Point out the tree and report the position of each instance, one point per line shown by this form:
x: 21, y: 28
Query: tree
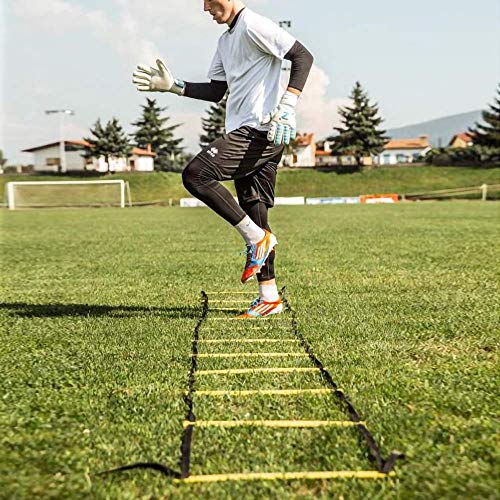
x: 359, y: 135
x: 152, y: 129
x: 109, y: 141
x: 214, y: 124
x: 486, y: 137
x: 3, y: 160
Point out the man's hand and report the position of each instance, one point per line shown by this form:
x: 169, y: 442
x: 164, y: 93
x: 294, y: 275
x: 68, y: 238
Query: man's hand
x: 148, y: 79
x: 283, y: 127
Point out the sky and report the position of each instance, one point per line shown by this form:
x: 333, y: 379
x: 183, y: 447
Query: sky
x: 418, y: 60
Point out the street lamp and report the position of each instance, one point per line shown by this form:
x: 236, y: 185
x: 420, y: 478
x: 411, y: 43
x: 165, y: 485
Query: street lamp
x: 62, y: 151
x: 284, y: 25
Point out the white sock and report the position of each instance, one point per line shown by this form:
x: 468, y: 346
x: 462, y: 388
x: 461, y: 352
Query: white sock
x: 269, y: 292
x: 250, y: 231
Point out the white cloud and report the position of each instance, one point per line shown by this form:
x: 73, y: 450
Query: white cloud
x: 316, y: 111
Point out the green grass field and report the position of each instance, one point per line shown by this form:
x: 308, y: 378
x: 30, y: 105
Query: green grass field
x: 165, y: 186
x: 400, y: 303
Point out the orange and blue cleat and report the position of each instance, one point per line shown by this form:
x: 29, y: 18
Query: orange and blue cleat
x: 259, y: 308
x: 257, y: 255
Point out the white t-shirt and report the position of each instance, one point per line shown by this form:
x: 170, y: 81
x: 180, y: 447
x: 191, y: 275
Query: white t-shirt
x: 249, y: 58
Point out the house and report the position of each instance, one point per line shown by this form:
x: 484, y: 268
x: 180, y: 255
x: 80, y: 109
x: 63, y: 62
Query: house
x: 404, y: 150
x: 325, y: 156
x: 47, y: 159
x: 303, y: 154
x: 462, y: 140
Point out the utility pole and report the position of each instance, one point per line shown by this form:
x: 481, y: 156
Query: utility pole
x: 285, y: 25
x: 62, y: 150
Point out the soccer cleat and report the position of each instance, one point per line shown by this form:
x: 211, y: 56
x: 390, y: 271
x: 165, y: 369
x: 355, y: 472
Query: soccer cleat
x: 259, y: 308
x: 257, y: 255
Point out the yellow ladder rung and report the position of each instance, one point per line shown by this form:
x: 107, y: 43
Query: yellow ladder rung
x: 285, y: 424
x: 253, y: 355
x: 286, y: 476
x: 237, y: 371
x: 272, y: 320
x: 245, y: 341
x: 265, y: 392
x: 249, y: 327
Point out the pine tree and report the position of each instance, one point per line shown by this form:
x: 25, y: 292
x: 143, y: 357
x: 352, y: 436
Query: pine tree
x: 214, y: 124
x: 109, y: 141
x: 359, y: 135
x: 152, y: 129
x: 486, y: 137
x: 3, y: 160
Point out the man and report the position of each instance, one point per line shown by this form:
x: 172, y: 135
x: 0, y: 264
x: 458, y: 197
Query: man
x: 259, y: 121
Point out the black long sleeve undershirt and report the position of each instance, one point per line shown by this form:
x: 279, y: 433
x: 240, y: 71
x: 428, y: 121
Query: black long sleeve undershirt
x: 215, y: 90
x: 302, y: 61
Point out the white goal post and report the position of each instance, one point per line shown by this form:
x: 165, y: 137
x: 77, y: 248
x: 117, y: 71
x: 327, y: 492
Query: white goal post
x: 43, y: 194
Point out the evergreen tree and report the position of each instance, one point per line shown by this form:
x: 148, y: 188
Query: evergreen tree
x: 109, y: 141
x: 359, y: 135
x: 3, y: 160
x: 214, y: 124
x: 152, y: 129
x: 486, y: 137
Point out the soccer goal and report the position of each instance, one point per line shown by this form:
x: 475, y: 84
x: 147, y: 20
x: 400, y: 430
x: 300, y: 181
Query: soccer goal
x: 59, y: 194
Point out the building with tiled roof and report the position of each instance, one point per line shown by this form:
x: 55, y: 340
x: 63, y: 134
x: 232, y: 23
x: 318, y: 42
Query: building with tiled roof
x: 47, y: 159
x: 304, y: 152
x: 404, y: 150
x: 462, y: 140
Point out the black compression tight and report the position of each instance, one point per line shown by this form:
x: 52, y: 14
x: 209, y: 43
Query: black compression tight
x: 200, y: 180
x: 257, y: 211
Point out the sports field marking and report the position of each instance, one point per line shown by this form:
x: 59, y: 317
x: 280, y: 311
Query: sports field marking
x: 238, y: 371
x: 286, y: 476
x: 253, y: 355
x: 231, y: 293
x: 245, y: 341
x: 285, y: 424
x: 265, y: 392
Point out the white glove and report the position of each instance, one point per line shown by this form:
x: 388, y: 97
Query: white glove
x: 283, y: 120
x: 148, y: 79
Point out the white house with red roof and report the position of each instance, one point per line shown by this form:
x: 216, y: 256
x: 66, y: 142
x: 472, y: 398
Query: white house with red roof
x: 47, y: 159
x: 304, y: 152
x: 404, y: 150
x: 462, y: 140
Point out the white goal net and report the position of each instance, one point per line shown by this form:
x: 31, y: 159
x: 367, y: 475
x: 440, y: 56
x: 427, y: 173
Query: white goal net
x: 54, y: 194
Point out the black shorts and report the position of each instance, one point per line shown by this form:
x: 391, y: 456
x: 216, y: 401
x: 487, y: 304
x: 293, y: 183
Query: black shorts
x: 247, y: 157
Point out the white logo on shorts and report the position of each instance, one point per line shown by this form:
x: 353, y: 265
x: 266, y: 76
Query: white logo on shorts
x: 213, y: 152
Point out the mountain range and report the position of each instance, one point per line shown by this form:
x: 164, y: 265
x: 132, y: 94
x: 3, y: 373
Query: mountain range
x: 439, y: 131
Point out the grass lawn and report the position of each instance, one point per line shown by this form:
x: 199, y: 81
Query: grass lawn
x: 400, y: 303
x: 165, y: 186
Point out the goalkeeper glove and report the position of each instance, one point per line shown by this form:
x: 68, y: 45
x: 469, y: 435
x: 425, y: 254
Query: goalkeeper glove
x: 149, y: 79
x: 283, y: 120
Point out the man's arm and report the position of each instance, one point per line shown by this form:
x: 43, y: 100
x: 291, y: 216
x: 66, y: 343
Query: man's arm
x: 212, y: 92
x: 302, y: 61
x: 283, y: 124
x: 160, y: 79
